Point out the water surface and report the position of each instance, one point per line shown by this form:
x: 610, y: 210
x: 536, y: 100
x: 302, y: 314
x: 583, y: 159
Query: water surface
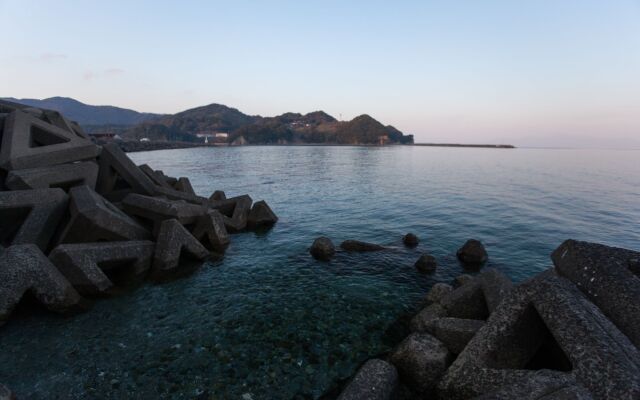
x: 269, y: 322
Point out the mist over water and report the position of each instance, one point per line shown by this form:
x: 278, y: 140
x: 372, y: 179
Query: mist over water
x: 268, y: 321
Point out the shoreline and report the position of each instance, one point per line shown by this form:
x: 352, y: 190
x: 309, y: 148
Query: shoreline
x: 134, y: 146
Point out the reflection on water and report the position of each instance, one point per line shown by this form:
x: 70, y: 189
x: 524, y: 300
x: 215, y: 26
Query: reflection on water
x: 267, y: 321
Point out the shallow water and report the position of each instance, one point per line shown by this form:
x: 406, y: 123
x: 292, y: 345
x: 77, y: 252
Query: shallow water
x: 269, y: 322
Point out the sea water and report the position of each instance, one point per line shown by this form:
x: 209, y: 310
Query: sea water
x: 269, y: 322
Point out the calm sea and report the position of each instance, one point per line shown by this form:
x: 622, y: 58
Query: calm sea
x: 269, y: 322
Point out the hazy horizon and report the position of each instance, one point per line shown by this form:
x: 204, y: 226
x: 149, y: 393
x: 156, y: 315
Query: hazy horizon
x: 538, y: 74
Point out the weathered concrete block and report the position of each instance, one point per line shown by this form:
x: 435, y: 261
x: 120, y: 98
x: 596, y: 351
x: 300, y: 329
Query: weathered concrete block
x: 495, y: 286
x: 174, y: 242
x: 261, y: 215
x: 57, y: 119
x: 462, y: 280
x: 602, y: 273
x: 210, y: 230
x: 64, y: 176
x: 358, y: 246
x: 184, y: 185
x: 238, y: 220
x: 87, y: 266
x: 455, y: 333
x: 421, y: 320
x: 25, y: 269
x: 468, y: 301
x: 173, y: 194
x: 421, y: 360
x: 375, y: 380
x: 437, y: 292
x: 31, y: 216
x: 322, y: 249
x: 218, y: 195
x: 94, y: 219
x: 155, y: 177
x: 541, y: 386
x: 28, y: 142
x: 118, y: 172
x: 546, y: 324
x: 157, y: 209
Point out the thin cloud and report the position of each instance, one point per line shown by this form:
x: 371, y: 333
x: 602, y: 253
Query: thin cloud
x: 107, y: 73
x: 50, y: 57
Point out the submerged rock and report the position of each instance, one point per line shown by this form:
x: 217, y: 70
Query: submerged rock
x: 5, y: 393
x: 358, y: 246
x: 426, y: 263
x: 322, y: 249
x: 376, y: 380
x: 410, y: 240
x: 472, y: 253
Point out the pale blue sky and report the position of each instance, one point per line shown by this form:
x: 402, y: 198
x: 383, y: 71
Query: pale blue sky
x: 544, y: 72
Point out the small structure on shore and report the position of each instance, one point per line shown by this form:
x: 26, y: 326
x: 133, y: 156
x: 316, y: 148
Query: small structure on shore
x: 74, y: 215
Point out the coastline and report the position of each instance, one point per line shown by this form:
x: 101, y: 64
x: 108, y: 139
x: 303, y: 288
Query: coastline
x: 135, y: 146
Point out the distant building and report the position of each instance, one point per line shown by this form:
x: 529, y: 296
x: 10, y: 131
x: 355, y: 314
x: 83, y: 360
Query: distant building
x: 213, y: 137
x: 144, y: 139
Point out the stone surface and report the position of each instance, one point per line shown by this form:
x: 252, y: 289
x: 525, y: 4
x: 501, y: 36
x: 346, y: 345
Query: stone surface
x: 421, y: 320
x: 602, y: 273
x: 261, y: 215
x: 472, y: 253
x: 495, y: 286
x: 95, y: 219
x: 540, y: 386
x: 455, y: 333
x: 467, y: 302
x: 218, y: 195
x: 322, y: 249
x: 184, y: 185
x: 358, y: 246
x: 31, y: 216
x: 546, y: 324
x: 25, y: 268
x: 237, y: 222
x: 375, y: 380
x: 157, y: 209
x: 29, y: 142
x: 64, y: 176
x: 210, y: 230
x: 437, y: 292
x: 421, y: 360
x: 174, y: 194
x: 87, y: 265
x: 410, y: 240
x: 155, y: 177
x: 426, y: 263
x: 120, y: 175
x: 462, y: 280
x: 173, y: 243
x: 57, y: 119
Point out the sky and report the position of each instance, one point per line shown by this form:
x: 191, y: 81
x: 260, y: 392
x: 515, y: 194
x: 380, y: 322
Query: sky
x: 529, y: 72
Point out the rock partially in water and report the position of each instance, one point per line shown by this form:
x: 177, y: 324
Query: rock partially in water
x: 421, y: 359
x: 322, y: 249
x: 426, y: 263
x: 472, y: 253
x: 358, y: 246
x: 174, y: 242
x: 376, y: 380
x: 210, y: 230
x: 437, y: 292
x: 420, y: 322
x: 261, y: 215
x: 410, y: 240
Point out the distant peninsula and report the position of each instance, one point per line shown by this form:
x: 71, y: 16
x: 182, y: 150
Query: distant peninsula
x: 219, y: 124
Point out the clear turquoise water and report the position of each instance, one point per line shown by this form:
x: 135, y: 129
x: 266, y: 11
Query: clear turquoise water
x: 269, y: 322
